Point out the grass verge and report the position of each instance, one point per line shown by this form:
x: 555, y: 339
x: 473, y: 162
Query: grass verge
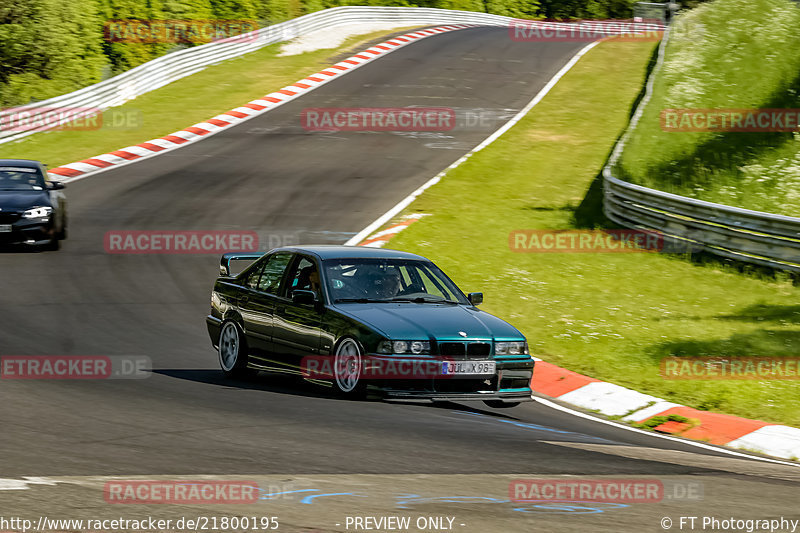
x: 608, y: 315
x: 217, y: 89
x: 727, y: 54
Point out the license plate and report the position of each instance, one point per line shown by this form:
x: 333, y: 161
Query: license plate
x: 5, y: 228
x: 469, y: 368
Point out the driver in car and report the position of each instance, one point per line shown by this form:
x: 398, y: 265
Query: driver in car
x: 389, y: 284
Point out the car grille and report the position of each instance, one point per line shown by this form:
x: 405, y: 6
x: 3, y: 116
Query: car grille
x: 469, y: 350
x: 8, y: 217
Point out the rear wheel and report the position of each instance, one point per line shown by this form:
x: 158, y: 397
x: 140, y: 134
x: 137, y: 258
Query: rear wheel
x: 232, y: 349
x: 499, y: 404
x: 347, y: 369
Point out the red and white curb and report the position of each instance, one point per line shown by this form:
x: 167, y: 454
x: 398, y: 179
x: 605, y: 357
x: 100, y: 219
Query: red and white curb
x: 377, y: 240
x: 632, y: 406
x: 130, y: 154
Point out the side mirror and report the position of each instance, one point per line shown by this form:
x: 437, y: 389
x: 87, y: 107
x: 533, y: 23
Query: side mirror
x: 55, y: 185
x: 475, y: 298
x: 304, y: 297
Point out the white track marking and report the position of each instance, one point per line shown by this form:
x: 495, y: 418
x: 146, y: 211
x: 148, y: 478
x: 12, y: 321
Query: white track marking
x: 405, y: 202
x: 720, y: 449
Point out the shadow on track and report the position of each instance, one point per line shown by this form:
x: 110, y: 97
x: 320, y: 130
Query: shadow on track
x: 296, y: 386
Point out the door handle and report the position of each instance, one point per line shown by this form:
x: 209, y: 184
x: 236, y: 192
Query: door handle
x: 244, y: 299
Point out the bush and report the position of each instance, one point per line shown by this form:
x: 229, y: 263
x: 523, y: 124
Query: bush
x: 48, y: 47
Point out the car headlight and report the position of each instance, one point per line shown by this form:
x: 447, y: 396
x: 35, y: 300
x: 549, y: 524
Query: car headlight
x: 511, y: 348
x: 405, y: 347
x: 37, y: 212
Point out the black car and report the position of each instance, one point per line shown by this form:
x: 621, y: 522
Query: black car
x: 33, y: 210
x: 365, y: 319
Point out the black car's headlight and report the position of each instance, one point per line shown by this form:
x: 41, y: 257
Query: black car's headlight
x: 38, y: 212
x: 405, y: 347
x: 511, y: 348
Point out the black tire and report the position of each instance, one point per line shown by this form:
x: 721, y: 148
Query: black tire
x: 499, y: 404
x: 232, y: 351
x: 52, y: 245
x: 62, y: 233
x: 348, y: 357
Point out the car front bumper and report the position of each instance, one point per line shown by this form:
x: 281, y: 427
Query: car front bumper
x: 511, y: 383
x: 23, y: 231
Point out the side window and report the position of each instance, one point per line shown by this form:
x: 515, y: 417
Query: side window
x: 252, y: 278
x: 304, y: 276
x: 270, y: 279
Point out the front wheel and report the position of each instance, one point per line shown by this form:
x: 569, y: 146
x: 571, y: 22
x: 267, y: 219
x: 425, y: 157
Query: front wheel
x: 347, y: 369
x: 499, y: 404
x: 232, y: 349
x: 62, y: 233
x: 52, y: 245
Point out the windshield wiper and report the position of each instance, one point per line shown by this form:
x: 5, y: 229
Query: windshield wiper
x: 423, y: 300
x: 361, y: 300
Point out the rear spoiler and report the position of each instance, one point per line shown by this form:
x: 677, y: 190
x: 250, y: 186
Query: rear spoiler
x: 225, y: 261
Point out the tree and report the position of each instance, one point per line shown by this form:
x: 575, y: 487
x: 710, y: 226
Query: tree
x: 233, y: 9
x: 117, y: 16
x: 47, y: 48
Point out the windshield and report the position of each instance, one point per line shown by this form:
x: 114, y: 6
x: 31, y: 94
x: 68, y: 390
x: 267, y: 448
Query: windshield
x: 21, y: 179
x: 388, y: 280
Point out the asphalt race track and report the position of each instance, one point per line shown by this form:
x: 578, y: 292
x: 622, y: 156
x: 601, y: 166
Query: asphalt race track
x: 357, y: 458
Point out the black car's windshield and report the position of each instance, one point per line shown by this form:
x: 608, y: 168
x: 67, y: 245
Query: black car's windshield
x: 21, y: 179
x: 389, y: 280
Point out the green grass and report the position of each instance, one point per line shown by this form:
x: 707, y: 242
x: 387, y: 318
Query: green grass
x: 734, y: 54
x: 193, y: 99
x: 610, y: 316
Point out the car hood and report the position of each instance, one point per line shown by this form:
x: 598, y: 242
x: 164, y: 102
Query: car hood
x: 22, y: 200
x: 408, y: 321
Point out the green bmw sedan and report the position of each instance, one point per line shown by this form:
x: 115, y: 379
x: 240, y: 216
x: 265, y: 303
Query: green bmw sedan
x: 365, y: 321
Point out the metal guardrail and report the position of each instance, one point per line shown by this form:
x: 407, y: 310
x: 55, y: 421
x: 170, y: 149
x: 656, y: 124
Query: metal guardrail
x: 174, y: 66
x: 754, y: 237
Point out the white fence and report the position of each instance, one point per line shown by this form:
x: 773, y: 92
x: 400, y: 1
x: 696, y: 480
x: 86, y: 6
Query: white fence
x: 174, y: 66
